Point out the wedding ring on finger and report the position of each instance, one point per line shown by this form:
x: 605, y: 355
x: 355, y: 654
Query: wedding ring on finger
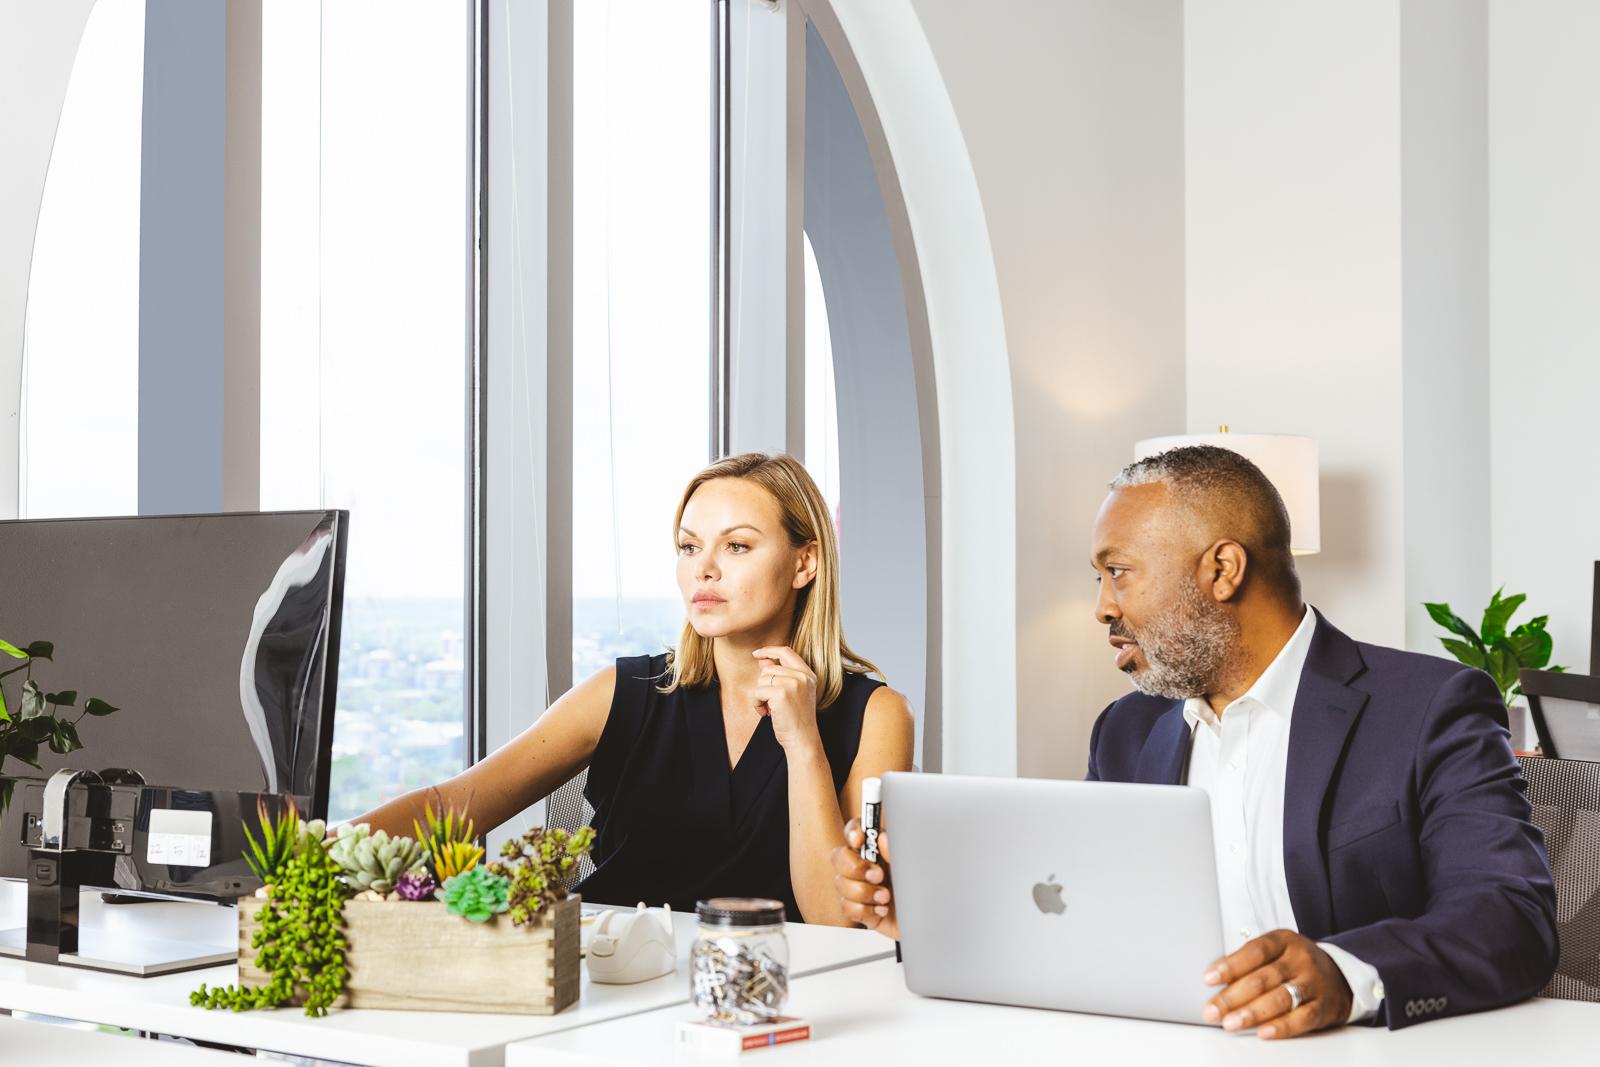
x: 1294, y: 995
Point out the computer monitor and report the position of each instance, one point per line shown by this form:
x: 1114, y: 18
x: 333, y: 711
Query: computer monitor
x: 1566, y: 712
x: 217, y: 637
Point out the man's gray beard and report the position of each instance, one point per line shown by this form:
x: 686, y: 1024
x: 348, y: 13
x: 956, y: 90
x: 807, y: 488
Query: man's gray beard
x: 1187, y: 648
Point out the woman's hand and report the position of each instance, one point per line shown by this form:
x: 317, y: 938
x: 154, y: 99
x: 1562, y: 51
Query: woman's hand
x: 788, y: 693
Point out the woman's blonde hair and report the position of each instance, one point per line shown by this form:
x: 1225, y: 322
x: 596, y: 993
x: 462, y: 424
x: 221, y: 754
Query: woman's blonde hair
x: 816, y: 633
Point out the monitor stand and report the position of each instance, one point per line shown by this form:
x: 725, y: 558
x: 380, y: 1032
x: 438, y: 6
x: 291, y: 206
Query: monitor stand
x: 163, y: 937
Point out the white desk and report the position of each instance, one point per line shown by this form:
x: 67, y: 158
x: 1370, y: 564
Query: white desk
x: 161, y: 1005
x: 171, y: 929
x: 30, y: 1042
x: 863, y: 1015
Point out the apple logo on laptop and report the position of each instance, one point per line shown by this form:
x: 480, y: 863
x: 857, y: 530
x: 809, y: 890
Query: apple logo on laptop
x: 1047, y: 897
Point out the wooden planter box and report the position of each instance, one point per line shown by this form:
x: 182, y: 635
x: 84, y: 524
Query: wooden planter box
x: 412, y: 956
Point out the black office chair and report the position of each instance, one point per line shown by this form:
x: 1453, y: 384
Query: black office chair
x: 568, y: 809
x: 1566, y: 806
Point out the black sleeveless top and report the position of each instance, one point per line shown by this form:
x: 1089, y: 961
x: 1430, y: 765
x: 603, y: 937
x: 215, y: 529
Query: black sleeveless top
x: 674, y: 824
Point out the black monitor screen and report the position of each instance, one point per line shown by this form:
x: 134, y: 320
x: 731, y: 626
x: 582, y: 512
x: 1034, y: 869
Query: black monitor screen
x: 216, y: 636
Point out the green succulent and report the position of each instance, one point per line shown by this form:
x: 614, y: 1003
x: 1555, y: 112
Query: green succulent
x: 373, y: 861
x: 279, y: 835
x: 299, y: 937
x: 539, y: 865
x: 450, y: 842
x: 314, y: 832
x: 476, y: 895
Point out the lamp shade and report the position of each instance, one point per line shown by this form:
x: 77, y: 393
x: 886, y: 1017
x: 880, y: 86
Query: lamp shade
x: 1289, y: 462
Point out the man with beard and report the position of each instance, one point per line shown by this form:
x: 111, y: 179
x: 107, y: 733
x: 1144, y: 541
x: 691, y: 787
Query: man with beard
x: 1374, y: 852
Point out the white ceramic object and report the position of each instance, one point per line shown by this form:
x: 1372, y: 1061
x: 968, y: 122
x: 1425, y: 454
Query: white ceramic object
x: 628, y: 947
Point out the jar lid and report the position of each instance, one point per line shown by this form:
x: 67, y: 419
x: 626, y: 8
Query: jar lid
x: 739, y: 911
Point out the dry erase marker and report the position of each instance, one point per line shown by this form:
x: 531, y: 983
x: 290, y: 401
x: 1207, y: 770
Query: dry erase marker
x: 871, y: 817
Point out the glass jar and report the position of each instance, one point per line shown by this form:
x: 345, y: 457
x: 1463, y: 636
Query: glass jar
x: 739, y: 966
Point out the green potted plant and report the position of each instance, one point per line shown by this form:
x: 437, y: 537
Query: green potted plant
x: 1501, y: 652
x: 1495, y: 649
x: 37, y: 717
x: 351, y: 920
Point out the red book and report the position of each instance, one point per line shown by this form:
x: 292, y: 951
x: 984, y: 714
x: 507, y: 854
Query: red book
x: 732, y: 1040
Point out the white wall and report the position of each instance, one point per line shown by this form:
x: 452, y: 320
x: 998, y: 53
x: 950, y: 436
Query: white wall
x: 1445, y: 282
x: 1294, y: 267
x: 1544, y: 212
x: 1072, y: 114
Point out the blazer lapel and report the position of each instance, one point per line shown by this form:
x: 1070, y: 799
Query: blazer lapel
x: 1166, y: 750
x: 1326, y: 710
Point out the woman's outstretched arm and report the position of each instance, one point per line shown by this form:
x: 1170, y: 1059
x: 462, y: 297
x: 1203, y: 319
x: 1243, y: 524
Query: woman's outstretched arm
x: 520, y: 772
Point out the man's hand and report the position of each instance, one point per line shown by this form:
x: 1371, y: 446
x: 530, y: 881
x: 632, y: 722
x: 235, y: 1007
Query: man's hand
x: 863, y: 887
x: 1257, y: 996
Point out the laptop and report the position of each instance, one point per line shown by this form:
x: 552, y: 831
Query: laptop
x: 1078, y: 896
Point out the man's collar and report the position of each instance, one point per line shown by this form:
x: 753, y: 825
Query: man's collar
x: 1278, y: 684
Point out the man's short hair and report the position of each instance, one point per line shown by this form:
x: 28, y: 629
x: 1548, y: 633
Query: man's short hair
x: 1232, y: 495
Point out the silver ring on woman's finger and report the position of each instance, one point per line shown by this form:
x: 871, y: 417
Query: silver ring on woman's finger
x: 1294, y: 995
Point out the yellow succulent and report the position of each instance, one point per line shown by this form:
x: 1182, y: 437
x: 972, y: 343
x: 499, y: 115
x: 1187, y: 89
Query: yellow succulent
x: 451, y: 844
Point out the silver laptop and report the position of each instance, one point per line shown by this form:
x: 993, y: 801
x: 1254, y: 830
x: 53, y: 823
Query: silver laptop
x: 1079, y: 896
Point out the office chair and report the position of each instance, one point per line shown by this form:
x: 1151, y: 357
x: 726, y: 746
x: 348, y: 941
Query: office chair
x: 567, y: 809
x: 1565, y: 795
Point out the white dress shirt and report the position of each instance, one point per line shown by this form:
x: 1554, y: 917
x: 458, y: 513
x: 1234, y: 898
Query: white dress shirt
x: 1240, y: 760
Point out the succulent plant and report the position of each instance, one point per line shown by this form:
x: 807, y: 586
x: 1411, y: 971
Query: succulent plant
x: 539, y: 865
x: 314, y: 832
x: 373, y: 861
x: 299, y: 938
x: 476, y: 895
x: 279, y: 834
x: 416, y: 884
x: 450, y: 841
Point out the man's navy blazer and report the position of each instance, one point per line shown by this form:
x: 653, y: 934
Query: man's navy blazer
x: 1406, y: 833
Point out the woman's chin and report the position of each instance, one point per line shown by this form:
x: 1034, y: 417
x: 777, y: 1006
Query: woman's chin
x: 709, y: 628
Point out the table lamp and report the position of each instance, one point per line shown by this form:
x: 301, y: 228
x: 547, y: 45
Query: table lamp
x: 1289, y: 462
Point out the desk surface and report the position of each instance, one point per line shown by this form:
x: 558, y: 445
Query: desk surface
x: 161, y: 1005
x: 864, y: 1015
x: 32, y: 1042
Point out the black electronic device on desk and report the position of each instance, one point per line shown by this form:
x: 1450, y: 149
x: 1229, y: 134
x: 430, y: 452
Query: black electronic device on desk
x: 217, y: 636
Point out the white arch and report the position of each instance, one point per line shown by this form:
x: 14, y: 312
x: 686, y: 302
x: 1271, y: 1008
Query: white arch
x: 884, y: 57
x: 38, y: 44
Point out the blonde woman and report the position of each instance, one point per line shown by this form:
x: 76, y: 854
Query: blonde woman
x: 727, y: 766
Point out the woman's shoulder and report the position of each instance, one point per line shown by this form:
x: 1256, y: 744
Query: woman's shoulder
x: 861, y: 686
x: 866, y: 696
x: 632, y: 681
x: 636, y: 677
x: 888, y: 704
x: 645, y: 668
